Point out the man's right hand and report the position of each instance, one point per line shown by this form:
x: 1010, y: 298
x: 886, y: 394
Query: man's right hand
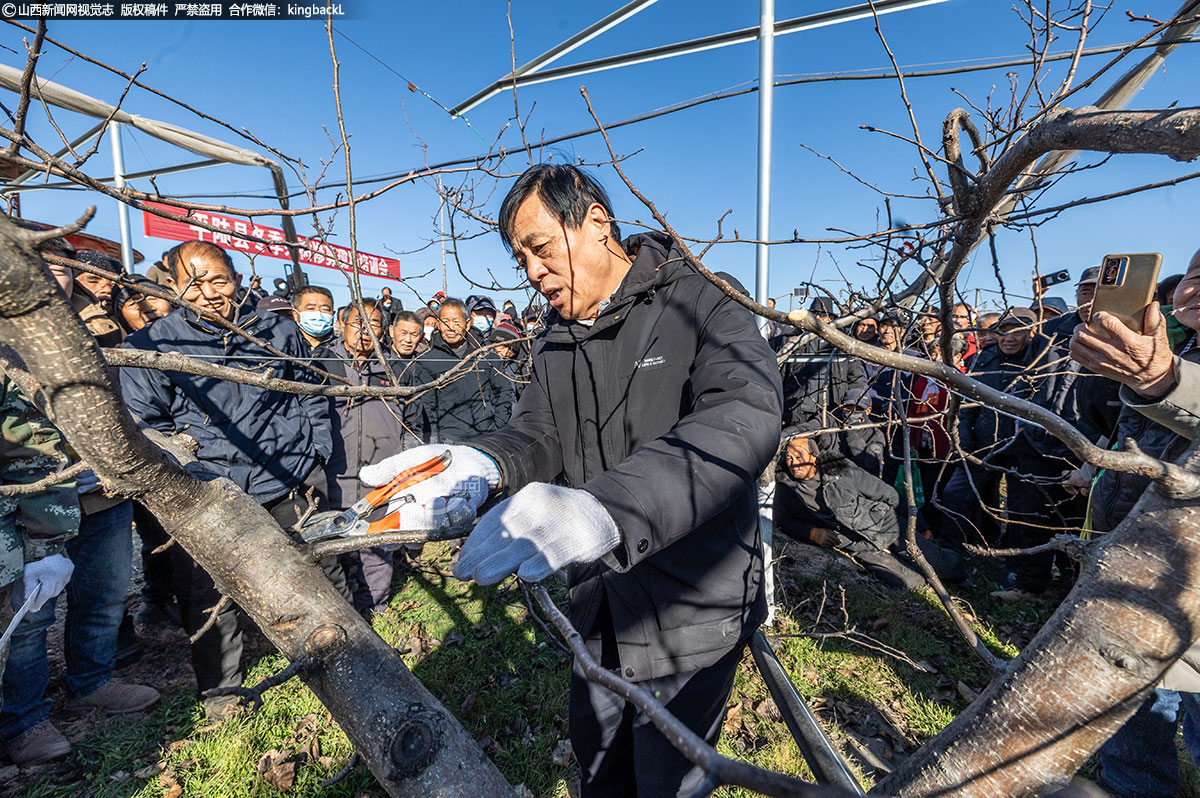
x: 1144, y: 363
x: 825, y: 538
x: 450, y: 498
x: 51, y: 574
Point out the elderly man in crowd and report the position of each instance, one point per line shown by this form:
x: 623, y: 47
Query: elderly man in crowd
x: 272, y: 445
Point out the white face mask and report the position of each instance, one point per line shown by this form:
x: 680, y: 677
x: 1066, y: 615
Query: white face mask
x: 428, y: 333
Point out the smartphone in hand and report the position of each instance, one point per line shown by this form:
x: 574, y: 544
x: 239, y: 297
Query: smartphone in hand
x: 1126, y: 287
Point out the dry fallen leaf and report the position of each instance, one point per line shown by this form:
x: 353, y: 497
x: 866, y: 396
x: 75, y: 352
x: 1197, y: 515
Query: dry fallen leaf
x: 281, y: 776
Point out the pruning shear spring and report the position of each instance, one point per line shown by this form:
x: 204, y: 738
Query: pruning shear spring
x: 352, y: 522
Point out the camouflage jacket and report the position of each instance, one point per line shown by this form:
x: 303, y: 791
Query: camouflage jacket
x: 35, y: 525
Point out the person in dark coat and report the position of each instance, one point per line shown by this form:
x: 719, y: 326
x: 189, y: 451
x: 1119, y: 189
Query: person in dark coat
x: 365, y: 429
x: 656, y: 403
x: 817, y: 377
x: 971, y: 498
x: 272, y: 445
x: 1039, y: 505
x: 822, y: 497
x: 481, y: 399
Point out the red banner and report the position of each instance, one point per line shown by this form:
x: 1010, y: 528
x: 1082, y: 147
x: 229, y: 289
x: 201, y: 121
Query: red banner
x: 314, y: 252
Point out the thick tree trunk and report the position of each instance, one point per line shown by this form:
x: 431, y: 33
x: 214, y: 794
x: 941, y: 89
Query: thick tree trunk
x: 1134, y: 611
x: 410, y: 742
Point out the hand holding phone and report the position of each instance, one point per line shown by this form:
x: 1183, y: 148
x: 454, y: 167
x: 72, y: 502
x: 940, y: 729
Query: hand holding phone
x: 1142, y: 361
x: 1126, y: 286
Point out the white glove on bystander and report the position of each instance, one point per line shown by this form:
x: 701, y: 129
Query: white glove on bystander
x: 539, y: 530
x: 52, y: 573
x: 450, y: 498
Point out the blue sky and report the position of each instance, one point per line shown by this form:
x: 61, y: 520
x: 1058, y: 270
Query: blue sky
x: 275, y: 79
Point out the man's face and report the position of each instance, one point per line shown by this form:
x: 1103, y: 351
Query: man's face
x: 138, y: 311
x: 801, y: 463
x: 1012, y: 339
x: 355, y: 335
x: 208, y: 282
x: 405, y: 337
x: 960, y: 317
x: 888, y: 338
x: 571, y: 267
x: 453, y: 325
x: 930, y: 327
x: 1084, y: 294
x: 866, y: 330
x: 1186, y: 300
x: 313, y: 301
x: 386, y: 292
x: 506, y: 351
x: 98, y: 287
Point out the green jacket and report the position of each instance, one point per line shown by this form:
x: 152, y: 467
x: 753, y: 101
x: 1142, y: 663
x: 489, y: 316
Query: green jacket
x: 35, y: 525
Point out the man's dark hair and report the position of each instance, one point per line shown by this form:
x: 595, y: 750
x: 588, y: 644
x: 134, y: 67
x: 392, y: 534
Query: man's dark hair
x: 369, y: 304
x: 566, y: 191
x: 299, y: 295
x: 174, y: 258
x: 408, y: 316
x: 457, y: 304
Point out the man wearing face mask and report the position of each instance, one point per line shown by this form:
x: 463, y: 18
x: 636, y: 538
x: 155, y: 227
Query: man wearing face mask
x: 483, y: 317
x: 312, y: 306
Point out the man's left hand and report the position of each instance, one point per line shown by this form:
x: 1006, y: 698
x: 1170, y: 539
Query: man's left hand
x: 534, y: 533
x: 1145, y: 363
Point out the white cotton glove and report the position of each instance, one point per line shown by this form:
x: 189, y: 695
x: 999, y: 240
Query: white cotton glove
x: 86, y: 482
x: 536, y: 532
x: 450, y: 498
x: 51, y: 573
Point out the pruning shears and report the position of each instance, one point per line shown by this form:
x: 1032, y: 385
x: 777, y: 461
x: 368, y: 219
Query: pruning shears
x: 353, y: 521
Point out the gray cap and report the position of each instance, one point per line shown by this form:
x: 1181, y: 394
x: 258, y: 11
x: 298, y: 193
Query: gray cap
x: 1090, y: 275
x: 1016, y: 317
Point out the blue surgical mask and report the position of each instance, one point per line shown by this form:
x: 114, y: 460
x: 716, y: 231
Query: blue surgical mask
x: 316, y: 323
x: 482, y: 323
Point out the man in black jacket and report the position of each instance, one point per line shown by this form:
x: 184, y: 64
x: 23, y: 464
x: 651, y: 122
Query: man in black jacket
x: 817, y: 377
x: 824, y: 498
x: 657, y: 402
x: 971, y: 496
x: 479, y: 399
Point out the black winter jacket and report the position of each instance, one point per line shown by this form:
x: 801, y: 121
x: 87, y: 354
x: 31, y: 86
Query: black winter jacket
x: 368, y: 429
x: 816, y: 379
x: 265, y: 441
x: 981, y: 429
x: 1115, y: 492
x: 666, y: 410
x: 1056, y: 383
x: 477, y: 402
x: 842, y: 498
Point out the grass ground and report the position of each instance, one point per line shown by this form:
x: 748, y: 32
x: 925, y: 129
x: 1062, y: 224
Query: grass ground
x: 883, y: 669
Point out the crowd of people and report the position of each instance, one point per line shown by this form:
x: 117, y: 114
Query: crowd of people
x: 574, y: 406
